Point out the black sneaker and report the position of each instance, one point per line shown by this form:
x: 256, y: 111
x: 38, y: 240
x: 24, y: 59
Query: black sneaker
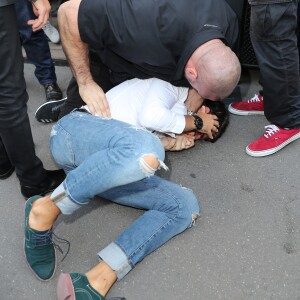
x: 54, y: 179
x: 6, y: 170
x: 53, y: 92
x: 49, y: 111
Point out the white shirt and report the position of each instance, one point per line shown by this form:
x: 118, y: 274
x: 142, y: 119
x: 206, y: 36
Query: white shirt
x: 151, y: 103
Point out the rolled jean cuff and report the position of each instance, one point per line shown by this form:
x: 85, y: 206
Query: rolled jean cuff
x: 116, y: 259
x: 62, y: 201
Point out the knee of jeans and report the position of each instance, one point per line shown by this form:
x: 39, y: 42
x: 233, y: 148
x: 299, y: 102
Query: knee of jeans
x: 190, y: 208
x: 149, y: 164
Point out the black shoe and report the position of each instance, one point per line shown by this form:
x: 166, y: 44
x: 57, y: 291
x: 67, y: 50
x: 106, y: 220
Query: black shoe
x: 6, y: 170
x: 52, y: 91
x: 49, y: 111
x: 54, y: 179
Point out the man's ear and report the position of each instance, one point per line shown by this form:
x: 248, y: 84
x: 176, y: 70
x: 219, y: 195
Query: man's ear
x: 190, y: 72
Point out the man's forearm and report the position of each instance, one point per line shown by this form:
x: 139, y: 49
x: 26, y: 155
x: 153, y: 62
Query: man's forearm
x: 75, y: 49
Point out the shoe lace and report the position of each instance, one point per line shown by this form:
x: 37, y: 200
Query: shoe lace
x: 270, y: 130
x: 255, y: 98
x: 41, y: 239
x: 56, y: 240
x: 50, y: 237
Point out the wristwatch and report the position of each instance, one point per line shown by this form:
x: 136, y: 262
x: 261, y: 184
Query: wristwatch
x: 198, y: 122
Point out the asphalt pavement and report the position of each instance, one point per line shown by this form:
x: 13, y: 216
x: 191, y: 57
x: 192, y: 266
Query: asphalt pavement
x: 245, y: 245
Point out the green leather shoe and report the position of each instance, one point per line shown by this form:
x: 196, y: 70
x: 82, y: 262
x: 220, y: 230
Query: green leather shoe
x: 76, y: 286
x: 39, y: 249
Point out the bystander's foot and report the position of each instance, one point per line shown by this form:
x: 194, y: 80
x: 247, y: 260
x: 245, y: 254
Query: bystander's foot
x: 274, y: 139
x: 49, y: 111
x: 53, y: 92
x: 253, y: 106
x: 53, y: 180
x: 6, y: 169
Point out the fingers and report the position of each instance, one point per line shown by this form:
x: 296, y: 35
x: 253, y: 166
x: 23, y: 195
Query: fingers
x: 210, y: 125
x: 102, y: 108
x: 168, y: 143
x: 41, y: 9
x: 99, y: 108
x: 210, y: 135
x: 95, y: 99
x: 183, y: 141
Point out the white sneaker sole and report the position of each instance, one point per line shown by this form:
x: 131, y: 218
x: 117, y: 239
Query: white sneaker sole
x: 273, y: 150
x: 39, y: 112
x: 244, y: 112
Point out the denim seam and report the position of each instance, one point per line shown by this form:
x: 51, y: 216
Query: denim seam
x: 108, y: 163
x: 68, y: 138
x: 179, y: 211
x: 70, y: 196
x: 129, y: 261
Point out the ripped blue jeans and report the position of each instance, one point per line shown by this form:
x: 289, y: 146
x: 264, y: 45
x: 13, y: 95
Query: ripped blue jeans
x: 107, y: 158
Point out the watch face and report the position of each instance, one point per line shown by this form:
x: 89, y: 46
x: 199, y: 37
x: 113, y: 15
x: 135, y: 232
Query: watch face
x: 198, y: 122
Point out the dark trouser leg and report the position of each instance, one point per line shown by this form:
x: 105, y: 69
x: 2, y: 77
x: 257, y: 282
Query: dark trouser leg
x: 100, y: 74
x: 15, y: 129
x: 35, y: 44
x: 274, y: 39
x: 20, y: 150
x: 3, y: 154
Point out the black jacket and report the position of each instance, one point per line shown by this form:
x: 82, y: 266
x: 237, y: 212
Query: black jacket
x: 151, y: 38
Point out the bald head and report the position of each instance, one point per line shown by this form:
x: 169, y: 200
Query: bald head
x: 213, y: 70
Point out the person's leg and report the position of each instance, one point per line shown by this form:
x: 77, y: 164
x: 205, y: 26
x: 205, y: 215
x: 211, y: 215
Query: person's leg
x: 14, y: 124
x: 20, y: 150
x: 37, y: 50
x: 170, y: 209
x: 6, y: 168
x: 274, y: 39
x: 94, y: 146
x: 15, y: 131
x: 99, y: 154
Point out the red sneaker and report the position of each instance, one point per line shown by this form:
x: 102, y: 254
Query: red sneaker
x: 272, y: 140
x: 254, y: 106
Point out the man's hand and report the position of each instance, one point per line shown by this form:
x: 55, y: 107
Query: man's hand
x: 92, y: 94
x: 210, y: 122
x: 219, y: 109
x: 181, y: 142
x: 41, y: 9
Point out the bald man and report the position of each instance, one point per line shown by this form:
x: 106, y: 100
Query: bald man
x: 108, y: 42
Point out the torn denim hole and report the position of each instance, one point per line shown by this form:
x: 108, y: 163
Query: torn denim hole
x: 147, y: 168
x: 53, y: 132
x: 194, y: 218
